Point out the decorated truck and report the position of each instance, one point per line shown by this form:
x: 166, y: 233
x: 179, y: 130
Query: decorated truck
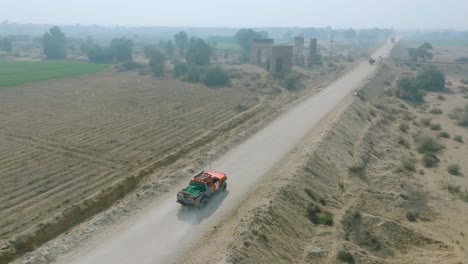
x: 201, y: 187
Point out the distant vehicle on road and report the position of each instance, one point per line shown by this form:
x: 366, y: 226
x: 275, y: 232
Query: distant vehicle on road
x: 201, y: 188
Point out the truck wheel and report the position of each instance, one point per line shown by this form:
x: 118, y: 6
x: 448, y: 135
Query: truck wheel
x: 203, y: 203
x: 224, y: 186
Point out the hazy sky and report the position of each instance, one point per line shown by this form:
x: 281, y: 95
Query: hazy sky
x: 242, y: 13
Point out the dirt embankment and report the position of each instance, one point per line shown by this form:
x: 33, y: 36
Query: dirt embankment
x: 348, y: 197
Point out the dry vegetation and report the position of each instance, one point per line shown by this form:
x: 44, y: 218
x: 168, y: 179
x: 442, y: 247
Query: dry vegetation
x: 385, y: 184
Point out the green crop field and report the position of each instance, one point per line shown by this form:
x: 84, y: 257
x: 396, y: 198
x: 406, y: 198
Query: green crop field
x: 20, y: 72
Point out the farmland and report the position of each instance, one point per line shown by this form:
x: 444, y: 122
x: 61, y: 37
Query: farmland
x: 21, y: 72
x: 66, y: 140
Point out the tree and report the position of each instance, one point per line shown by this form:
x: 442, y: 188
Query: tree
x: 97, y: 54
x: 54, y: 44
x: 156, y: 62
x: 245, y: 38
x: 350, y: 34
x: 422, y: 52
x: 199, y: 52
x: 5, y: 45
x: 122, y: 49
x: 181, y: 42
x: 169, y: 48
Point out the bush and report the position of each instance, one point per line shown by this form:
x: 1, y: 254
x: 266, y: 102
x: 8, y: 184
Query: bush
x: 180, y: 69
x: 402, y: 141
x: 458, y: 138
x: 436, y: 127
x: 412, y: 215
x: 429, y: 160
x: 292, y: 82
x: 427, y: 144
x: 319, y: 216
x: 444, y: 134
x: 129, y: 65
x: 453, y: 169
x: 407, y: 164
x: 426, y: 121
x: 441, y: 97
x: 346, y: 257
x: 194, y: 74
x: 436, y: 111
x: 216, y: 77
x: 326, y: 218
x: 407, y: 89
x: 431, y: 79
x: 460, y: 115
x: 404, y: 127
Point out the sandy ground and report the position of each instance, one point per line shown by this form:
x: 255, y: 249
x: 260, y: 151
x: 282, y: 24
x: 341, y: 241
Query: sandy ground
x: 159, y: 234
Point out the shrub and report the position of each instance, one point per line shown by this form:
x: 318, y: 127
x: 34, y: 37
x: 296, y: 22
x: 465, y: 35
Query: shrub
x: 412, y: 215
x: 458, y: 138
x: 444, y: 134
x: 429, y: 160
x: 319, y: 216
x: 436, y: 111
x: 216, y: 77
x: 407, y: 89
x: 404, y: 127
x: 441, y: 97
x: 407, y: 164
x: 426, y: 121
x: 194, y: 74
x: 346, y: 257
x: 180, y: 69
x: 431, y: 79
x: 453, y: 169
x: 326, y: 218
x: 436, y: 127
x: 292, y: 82
x: 427, y: 144
x: 460, y: 115
x: 402, y: 141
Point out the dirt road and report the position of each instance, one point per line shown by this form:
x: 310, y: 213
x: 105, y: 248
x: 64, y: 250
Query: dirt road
x: 161, y: 232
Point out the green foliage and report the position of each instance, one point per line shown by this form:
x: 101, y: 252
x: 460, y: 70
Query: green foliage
x: 404, y: 126
x: 180, y: 69
x: 407, y: 164
x: 460, y: 115
x: 453, y: 169
x: 427, y: 144
x: 423, y: 52
x: 345, y: 256
x: 156, y: 63
x: 444, y: 134
x: 436, y: 127
x: 458, y: 138
x: 409, y: 90
x: 194, y: 74
x: 20, y: 72
x: 426, y: 121
x: 199, y: 52
x: 5, y: 45
x: 412, y: 215
x: 402, y: 141
x: 121, y: 49
x: 436, y: 111
x: 245, y: 38
x: 319, y: 216
x: 292, y: 81
x: 54, y: 44
x: 429, y: 160
x: 181, y: 42
x: 216, y: 77
x: 431, y: 79
x: 97, y: 54
x: 326, y: 218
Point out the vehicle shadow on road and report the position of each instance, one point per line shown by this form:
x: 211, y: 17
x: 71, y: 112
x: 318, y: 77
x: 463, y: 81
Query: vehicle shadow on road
x: 195, y: 216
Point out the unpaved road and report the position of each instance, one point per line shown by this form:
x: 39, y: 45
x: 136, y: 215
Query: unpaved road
x: 161, y: 232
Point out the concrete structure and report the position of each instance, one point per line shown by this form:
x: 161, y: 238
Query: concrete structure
x: 299, y: 51
x: 312, y: 52
x: 261, y: 51
x: 281, y: 60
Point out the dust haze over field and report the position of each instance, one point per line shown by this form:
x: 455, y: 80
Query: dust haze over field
x: 342, y: 127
